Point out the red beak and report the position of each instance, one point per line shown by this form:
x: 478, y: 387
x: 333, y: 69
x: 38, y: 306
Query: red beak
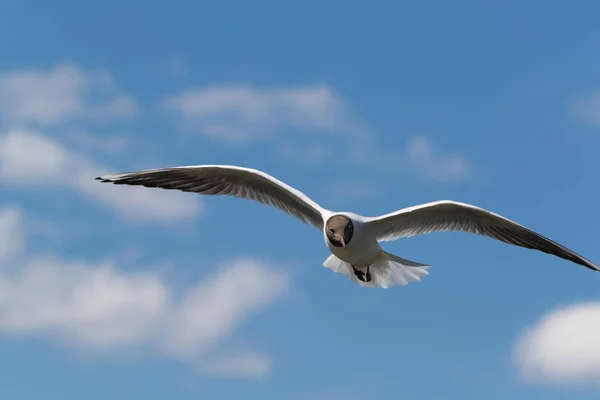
x: 342, y: 241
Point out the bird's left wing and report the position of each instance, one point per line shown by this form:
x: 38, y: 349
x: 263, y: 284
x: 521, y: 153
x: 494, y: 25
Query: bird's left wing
x: 445, y: 215
x: 230, y: 181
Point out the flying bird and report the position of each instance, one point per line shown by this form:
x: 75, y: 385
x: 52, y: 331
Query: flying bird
x: 353, y: 240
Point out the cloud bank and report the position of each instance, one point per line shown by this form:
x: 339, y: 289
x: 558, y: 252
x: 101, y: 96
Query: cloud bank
x: 97, y: 306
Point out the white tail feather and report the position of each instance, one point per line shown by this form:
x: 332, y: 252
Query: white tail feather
x: 387, y: 270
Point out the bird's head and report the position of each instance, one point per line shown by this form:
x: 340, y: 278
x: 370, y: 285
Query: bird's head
x: 339, y: 230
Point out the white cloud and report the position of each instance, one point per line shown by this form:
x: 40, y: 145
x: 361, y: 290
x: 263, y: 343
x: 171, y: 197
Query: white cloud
x: 11, y: 239
x: 97, y: 306
x: 87, y: 304
x: 237, y: 291
x: 242, y: 113
x: 433, y: 164
x: 94, y: 305
x: 28, y: 158
x: 563, y: 347
x: 59, y: 94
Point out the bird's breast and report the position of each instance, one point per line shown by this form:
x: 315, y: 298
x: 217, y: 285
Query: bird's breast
x: 360, y: 251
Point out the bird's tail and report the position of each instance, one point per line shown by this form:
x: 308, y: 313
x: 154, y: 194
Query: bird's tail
x: 387, y: 270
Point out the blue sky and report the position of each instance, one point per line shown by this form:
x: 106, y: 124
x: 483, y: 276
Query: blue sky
x: 115, y: 292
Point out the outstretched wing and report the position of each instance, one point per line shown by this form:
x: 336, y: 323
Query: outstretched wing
x: 225, y: 180
x: 446, y: 215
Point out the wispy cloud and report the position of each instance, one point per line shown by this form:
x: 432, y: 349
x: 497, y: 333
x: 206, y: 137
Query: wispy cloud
x: 28, y: 158
x: 96, y: 306
x: 431, y: 163
x: 243, y: 113
x: 59, y: 94
x: 210, y: 310
x: 586, y: 108
x: 562, y: 347
x: 51, y: 100
x: 10, y: 233
x: 418, y: 156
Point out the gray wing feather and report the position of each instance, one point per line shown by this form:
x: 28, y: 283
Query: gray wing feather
x: 444, y: 216
x: 225, y: 180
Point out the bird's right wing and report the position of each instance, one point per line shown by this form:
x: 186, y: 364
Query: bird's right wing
x: 229, y: 181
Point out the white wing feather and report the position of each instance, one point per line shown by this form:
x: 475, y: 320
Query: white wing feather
x: 230, y: 181
x: 448, y: 215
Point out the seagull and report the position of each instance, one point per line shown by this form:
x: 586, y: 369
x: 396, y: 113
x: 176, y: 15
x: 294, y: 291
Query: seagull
x: 353, y: 240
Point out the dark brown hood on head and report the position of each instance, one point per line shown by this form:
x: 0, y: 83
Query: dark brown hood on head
x: 339, y: 230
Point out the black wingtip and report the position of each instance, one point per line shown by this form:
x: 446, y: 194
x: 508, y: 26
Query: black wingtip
x: 592, y: 266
